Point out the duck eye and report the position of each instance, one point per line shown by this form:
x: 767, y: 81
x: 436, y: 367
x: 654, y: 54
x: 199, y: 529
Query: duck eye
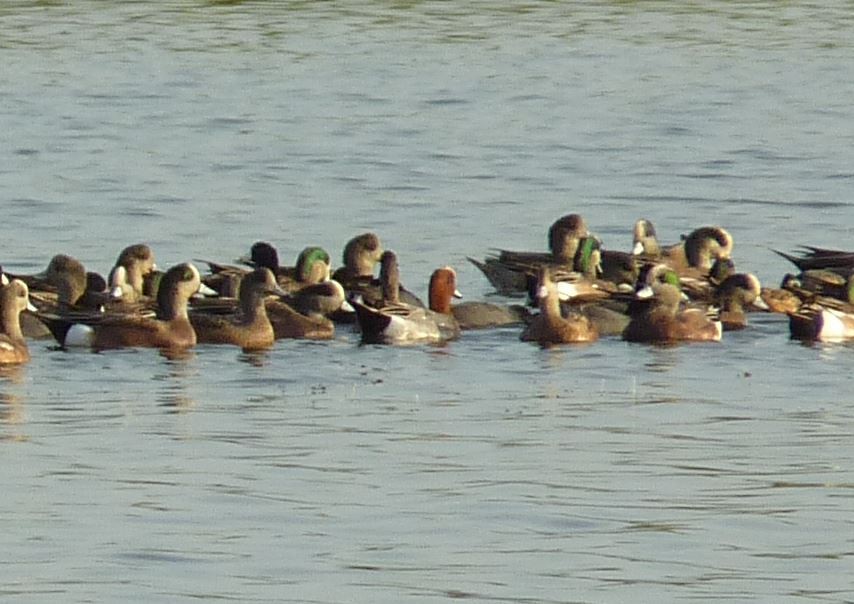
x: 187, y: 276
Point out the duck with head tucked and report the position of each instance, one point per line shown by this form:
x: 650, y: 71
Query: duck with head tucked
x: 14, y: 298
x: 657, y: 314
x: 735, y: 295
x: 169, y: 329
x: 399, y: 323
x: 698, y: 251
x: 550, y: 326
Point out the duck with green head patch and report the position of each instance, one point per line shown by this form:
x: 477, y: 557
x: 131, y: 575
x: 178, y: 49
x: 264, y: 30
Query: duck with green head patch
x: 657, y: 314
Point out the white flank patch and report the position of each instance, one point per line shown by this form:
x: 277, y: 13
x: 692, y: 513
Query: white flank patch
x: 6, y: 346
x: 565, y: 291
x: 79, y: 335
x: 347, y: 307
x: 397, y: 329
x: 833, y: 327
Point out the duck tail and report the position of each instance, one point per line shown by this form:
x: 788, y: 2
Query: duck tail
x: 372, y: 323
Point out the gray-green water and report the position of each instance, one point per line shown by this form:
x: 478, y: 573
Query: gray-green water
x: 488, y: 470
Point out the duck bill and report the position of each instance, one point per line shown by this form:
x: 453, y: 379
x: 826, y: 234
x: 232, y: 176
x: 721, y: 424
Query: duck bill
x: 644, y: 293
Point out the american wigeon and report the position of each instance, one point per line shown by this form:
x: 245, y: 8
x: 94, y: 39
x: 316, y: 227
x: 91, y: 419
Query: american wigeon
x: 360, y: 257
x: 644, y: 240
x: 250, y: 327
x: 657, y: 317
x: 379, y: 292
x: 14, y: 298
x: 312, y: 266
x: 169, y: 329
x: 702, y: 287
x: 608, y: 317
x: 508, y: 270
x: 290, y: 324
x: 400, y: 323
x: 127, y: 278
x: 550, y: 326
x: 696, y: 253
x: 621, y: 268
x: 734, y: 296
x: 66, y: 286
x: 324, y: 299
x: 781, y: 300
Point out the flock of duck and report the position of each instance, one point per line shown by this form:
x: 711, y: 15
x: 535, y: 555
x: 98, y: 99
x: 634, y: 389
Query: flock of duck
x: 576, y: 292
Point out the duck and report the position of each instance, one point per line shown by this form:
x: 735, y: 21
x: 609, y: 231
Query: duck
x: 127, y: 277
x: 697, y: 252
x: 657, y: 317
x: 250, y: 328
x: 644, y: 240
x: 325, y: 299
x: 66, y: 285
x: 734, y: 296
x: 781, y: 300
x: 361, y: 255
x: 703, y: 288
x: 508, y: 270
x: 312, y: 267
x: 621, y: 268
x: 375, y: 292
x: 169, y: 328
x: 825, y: 321
x: 550, y: 326
x: 810, y: 257
x: 474, y: 314
x: 14, y: 298
x: 288, y: 323
x: 401, y: 324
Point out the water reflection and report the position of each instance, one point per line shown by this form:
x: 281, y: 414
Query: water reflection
x: 12, y: 414
x: 176, y: 382
x: 258, y: 358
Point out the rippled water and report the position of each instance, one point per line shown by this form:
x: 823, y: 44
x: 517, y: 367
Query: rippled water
x: 487, y: 470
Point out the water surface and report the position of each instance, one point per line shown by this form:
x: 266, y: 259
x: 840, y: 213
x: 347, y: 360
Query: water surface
x: 487, y: 470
